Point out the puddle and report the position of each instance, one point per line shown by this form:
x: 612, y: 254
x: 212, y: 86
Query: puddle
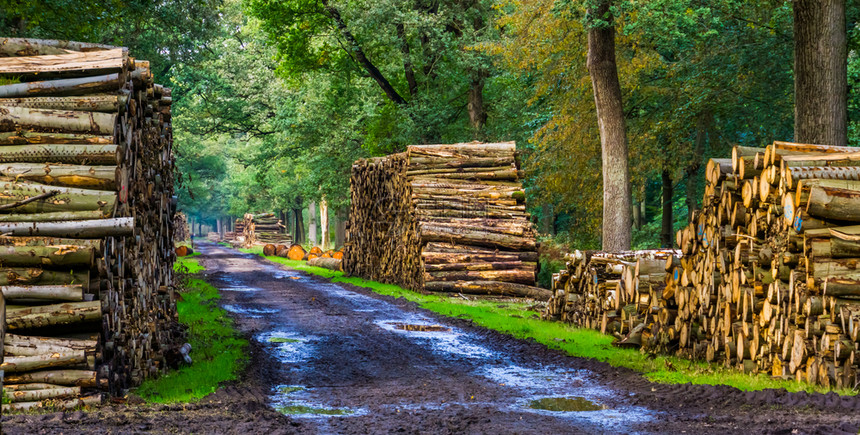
x: 420, y: 328
x: 239, y: 289
x: 291, y: 400
x: 289, y: 389
x: 566, y: 404
x: 250, y: 312
x: 288, y: 347
x: 308, y: 410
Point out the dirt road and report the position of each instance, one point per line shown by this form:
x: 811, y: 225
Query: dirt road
x: 334, y: 358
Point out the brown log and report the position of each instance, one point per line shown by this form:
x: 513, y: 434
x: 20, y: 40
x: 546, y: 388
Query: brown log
x: 489, y: 288
x: 326, y: 263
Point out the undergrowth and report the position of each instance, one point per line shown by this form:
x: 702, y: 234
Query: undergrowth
x: 217, y: 349
x: 518, y: 320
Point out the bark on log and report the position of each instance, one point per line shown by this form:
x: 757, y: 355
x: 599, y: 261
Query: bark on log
x: 18, y: 364
x: 52, y: 315
x: 489, y: 288
x: 115, y: 227
x: 72, y: 293
x: 63, y: 87
x: 18, y: 118
x: 61, y: 153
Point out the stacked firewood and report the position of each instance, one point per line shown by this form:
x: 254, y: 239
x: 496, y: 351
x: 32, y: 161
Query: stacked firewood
x: 270, y: 229
x: 768, y: 279
x: 247, y: 226
x: 181, y: 232
x: 443, y: 218
x: 86, y: 217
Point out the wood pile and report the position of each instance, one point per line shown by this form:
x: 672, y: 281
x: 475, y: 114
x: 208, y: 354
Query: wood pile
x: 247, y: 227
x: 86, y: 217
x: 270, y: 229
x: 181, y: 233
x: 443, y: 218
x: 768, y: 279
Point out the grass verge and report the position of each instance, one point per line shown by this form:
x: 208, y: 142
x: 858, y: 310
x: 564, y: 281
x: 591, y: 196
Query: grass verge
x: 187, y: 264
x: 217, y: 349
x: 515, y: 319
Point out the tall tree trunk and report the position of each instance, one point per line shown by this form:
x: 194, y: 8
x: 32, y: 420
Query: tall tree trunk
x: 299, y: 234
x: 613, y: 137
x: 312, y: 224
x: 637, y: 216
x: 666, y: 229
x: 820, y: 72
x: 324, y: 224
x: 547, y: 219
x: 408, y: 69
x: 692, y: 171
x: 477, y: 112
x: 340, y: 227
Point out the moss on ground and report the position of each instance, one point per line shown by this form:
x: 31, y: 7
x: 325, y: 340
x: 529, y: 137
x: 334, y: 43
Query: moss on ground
x: 517, y: 320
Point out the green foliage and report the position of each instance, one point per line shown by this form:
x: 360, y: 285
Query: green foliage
x: 218, y: 351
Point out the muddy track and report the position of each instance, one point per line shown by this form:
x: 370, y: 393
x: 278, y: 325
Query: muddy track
x: 320, y: 348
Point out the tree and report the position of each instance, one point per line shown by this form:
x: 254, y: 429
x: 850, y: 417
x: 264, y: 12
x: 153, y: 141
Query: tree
x: 610, y: 119
x: 820, y: 72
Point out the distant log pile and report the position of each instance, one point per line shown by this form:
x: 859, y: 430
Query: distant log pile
x: 443, y: 218
x: 265, y: 229
x: 768, y: 281
x: 270, y: 229
x: 86, y: 217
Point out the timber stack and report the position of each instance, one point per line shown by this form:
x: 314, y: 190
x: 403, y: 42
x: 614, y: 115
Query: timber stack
x: 443, y: 218
x: 248, y: 239
x: 86, y: 217
x: 181, y: 233
x: 768, y: 278
x: 268, y: 229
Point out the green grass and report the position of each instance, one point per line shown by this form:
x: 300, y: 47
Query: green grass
x: 218, y: 351
x: 516, y: 320
x: 188, y: 264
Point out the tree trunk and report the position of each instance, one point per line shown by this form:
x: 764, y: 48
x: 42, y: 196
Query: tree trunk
x: 667, y: 220
x: 340, y: 227
x: 637, y: 216
x: 820, y: 72
x: 324, y: 224
x: 312, y: 224
x: 613, y: 137
x: 477, y: 111
x: 547, y: 218
x: 692, y: 171
x: 299, y: 233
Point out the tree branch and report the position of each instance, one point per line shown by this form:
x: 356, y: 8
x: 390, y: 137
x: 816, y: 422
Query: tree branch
x: 362, y: 59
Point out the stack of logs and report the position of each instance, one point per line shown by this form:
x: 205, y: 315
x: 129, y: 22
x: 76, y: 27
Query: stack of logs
x: 86, y: 217
x: 270, y: 229
x: 443, y: 218
x: 181, y: 233
x: 768, y: 281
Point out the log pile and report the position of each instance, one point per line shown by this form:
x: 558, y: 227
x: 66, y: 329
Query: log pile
x: 86, y: 217
x: 768, y: 278
x: 443, y: 218
x: 181, y: 232
x: 270, y: 229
